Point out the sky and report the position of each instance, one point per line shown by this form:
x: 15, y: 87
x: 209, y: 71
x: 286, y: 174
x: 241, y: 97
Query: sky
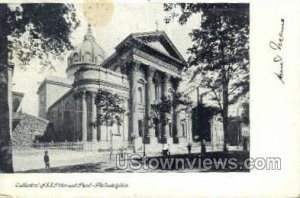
x: 109, y: 29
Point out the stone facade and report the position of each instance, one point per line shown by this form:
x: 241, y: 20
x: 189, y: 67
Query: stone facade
x: 27, y: 129
x: 144, y: 68
x: 237, y: 131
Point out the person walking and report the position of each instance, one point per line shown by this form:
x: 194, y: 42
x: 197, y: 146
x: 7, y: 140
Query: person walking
x: 165, y: 150
x: 47, y: 160
x: 189, y: 147
x: 245, y: 144
x: 203, y: 147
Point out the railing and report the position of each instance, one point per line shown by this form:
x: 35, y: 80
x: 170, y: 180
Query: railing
x: 102, y: 146
x: 59, y: 145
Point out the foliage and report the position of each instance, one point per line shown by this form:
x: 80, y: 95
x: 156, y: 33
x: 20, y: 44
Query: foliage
x: 162, y: 107
x: 245, y: 113
x: 110, y: 108
x: 29, y: 31
x: 219, y: 54
x: 166, y: 105
x: 38, y: 30
x: 182, y: 100
x: 218, y: 58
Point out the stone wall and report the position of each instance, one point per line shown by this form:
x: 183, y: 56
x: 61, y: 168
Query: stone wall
x: 64, y: 114
x: 27, y: 128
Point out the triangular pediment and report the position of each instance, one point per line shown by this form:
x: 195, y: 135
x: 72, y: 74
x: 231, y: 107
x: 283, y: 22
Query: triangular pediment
x: 159, y: 41
x: 159, y: 46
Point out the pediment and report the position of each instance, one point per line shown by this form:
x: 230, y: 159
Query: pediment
x: 159, y: 41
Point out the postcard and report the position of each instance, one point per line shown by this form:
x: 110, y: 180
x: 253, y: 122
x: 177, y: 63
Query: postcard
x: 111, y: 98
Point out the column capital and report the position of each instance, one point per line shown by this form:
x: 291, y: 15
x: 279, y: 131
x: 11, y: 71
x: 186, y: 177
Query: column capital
x: 165, y: 77
x: 135, y: 65
x: 79, y: 94
x: 93, y: 94
x: 150, y: 71
x: 83, y: 94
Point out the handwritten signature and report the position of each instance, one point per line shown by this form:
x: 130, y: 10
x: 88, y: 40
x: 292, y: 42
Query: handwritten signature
x: 277, y: 46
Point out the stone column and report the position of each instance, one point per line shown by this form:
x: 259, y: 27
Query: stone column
x: 175, y: 116
x: 133, y: 122
x: 94, y: 118
x: 150, y: 91
x: 175, y: 128
x: 84, y: 118
x: 77, y: 117
x: 178, y: 124
x: 189, y: 127
x: 165, y: 127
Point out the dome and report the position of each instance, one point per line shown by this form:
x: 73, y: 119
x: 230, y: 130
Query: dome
x: 88, y: 52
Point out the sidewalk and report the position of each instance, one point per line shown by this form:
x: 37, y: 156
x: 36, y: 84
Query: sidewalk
x: 58, y: 158
x: 62, y: 160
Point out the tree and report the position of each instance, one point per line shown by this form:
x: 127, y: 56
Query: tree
x: 110, y: 108
x: 159, y: 113
x: 160, y: 110
x: 219, y: 56
x: 29, y: 31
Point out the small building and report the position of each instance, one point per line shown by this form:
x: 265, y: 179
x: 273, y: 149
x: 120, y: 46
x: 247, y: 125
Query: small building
x: 237, y: 131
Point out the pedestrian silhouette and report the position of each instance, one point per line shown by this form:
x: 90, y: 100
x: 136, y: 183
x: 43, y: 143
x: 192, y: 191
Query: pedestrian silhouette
x: 203, y: 147
x: 166, y: 150
x: 47, y: 160
x: 245, y: 144
x: 189, y: 147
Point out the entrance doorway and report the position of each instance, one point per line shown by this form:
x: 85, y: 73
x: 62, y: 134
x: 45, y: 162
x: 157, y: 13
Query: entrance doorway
x: 141, y: 128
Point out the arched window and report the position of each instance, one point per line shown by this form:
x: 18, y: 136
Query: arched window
x: 87, y: 57
x: 75, y: 58
x: 140, y: 94
x: 183, y: 129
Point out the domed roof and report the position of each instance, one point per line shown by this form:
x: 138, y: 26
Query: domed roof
x: 87, y: 52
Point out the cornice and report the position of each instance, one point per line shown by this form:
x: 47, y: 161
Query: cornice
x: 54, y: 83
x: 101, y: 69
x: 60, y: 99
x: 102, y: 83
x: 157, y: 61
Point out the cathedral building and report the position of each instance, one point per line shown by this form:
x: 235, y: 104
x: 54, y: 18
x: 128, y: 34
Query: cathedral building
x: 144, y: 68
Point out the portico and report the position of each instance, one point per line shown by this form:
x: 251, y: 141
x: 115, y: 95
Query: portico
x: 153, y: 66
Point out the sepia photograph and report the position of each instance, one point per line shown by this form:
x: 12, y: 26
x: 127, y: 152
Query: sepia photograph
x: 160, y: 99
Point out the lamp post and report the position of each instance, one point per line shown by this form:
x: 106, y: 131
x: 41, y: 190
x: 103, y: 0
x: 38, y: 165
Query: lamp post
x: 144, y: 129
